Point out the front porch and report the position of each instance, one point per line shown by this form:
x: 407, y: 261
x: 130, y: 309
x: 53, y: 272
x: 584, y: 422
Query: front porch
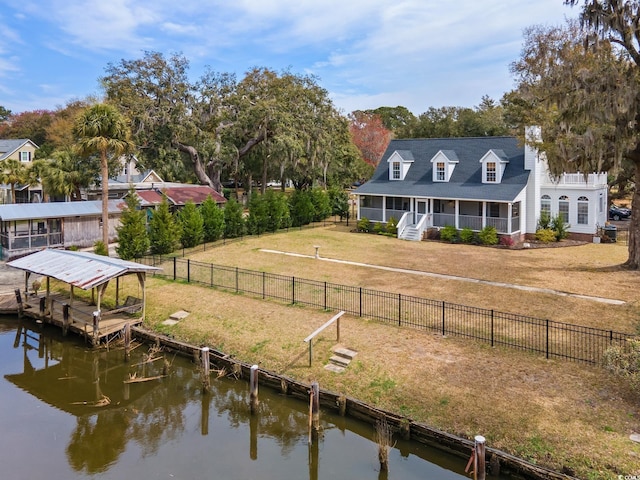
x: 419, y: 214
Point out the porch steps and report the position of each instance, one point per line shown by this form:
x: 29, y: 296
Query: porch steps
x: 410, y: 232
x: 341, y: 359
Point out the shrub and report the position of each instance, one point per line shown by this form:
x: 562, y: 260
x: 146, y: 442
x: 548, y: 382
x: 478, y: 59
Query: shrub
x: 192, y: 224
x: 234, y: 224
x: 507, y: 241
x: 99, y: 248
x: 339, y: 200
x: 625, y: 362
x: 544, y: 222
x: 301, y: 208
x: 392, y: 226
x: 467, y: 235
x: 213, y: 220
x: 364, y: 225
x: 379, y: 228
x: 133, y: 239
x: 321, y: 204
x: 560, y: 227
x: 488, y: 235
x: 546, y: 235
x: 164, y: 231
x: 449, y: 233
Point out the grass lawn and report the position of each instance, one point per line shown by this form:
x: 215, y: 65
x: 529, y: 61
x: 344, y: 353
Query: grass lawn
x: 559, y: 414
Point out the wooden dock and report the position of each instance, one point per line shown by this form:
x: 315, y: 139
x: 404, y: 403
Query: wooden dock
x: 77, y: 316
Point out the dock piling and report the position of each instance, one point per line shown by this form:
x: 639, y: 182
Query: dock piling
x: 253, y: 386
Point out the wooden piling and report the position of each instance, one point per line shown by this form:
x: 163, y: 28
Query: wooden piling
x: 41, y: 306
x: 96, y: 327
x: 20, y: 305
x: 253, y: 437
x: 65, y: 319
x: 315, y: 408
x: 127, y: 341
x: 206, y: 365
x: 479, y: 467
x: 253, y: 388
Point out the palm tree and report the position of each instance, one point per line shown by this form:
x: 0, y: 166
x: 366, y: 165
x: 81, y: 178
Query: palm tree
x: 14, y: 172
x: 103, y: 130
x: 64, y: 174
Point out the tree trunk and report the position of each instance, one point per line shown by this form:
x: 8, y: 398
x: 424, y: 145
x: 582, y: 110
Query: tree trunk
x: 198, y: 166
x: 104, y: 167
x: 633, y: 261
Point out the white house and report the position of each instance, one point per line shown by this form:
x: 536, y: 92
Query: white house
x: 478, y: 182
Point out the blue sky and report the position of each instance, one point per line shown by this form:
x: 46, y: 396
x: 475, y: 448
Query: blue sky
x: 366, y: 53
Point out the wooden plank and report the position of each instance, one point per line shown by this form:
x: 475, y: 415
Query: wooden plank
x: 333, y: 319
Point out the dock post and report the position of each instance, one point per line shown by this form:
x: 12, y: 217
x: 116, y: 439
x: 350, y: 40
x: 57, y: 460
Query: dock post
x: 314, y: 421
x: 206, y: 378
x: 65, y: 319
x: 42, y: 308
x: 19, y: 300
x: 127, y: 341
x: 253, y: 386
x: 479, y: 470
x: 96, y: 328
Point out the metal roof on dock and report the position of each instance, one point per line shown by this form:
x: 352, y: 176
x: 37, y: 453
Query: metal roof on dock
x: 27, y: 211
x: 81, y: 269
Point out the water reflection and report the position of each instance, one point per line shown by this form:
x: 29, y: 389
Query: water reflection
x: 122, y: 428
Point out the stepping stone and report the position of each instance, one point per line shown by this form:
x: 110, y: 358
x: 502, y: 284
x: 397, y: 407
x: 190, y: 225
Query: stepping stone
x: 340, y: 361
x: 179, y: 315
x: 334, y: 368
x: 635, y: 437
x: 169, y: 322
x: 345, y: 352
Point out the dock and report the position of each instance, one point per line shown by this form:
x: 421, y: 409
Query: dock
x: 75, y: 316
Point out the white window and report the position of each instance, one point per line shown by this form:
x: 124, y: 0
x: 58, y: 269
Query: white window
x: 440, y: 172
x: 396, y: 171
x: 563, y: 208
x: 545, y: 204
x: 491, y: 172
x: 583, y: 211
x: 25, y: 156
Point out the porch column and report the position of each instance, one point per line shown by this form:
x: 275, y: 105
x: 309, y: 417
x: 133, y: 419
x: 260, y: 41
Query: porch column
x: 457, y: 213
x: 509, y: 215
x: 384, y: 208
x: 484, y: 214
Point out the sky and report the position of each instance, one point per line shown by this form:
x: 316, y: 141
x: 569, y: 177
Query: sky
x: 365, y: 53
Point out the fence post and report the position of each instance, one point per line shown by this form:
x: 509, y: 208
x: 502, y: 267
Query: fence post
x: 263, y: 284
x: 547, y: 349
x: 293, y: 290
x: 360, y: 301
x: 443, y: 316
x: 188, y: 270
x: 237, y: 284
x: 325, y: 295
x: 399, y: 309
x: 211, y: 275
x: 492, y: 327
x: 174, y: 269
x: 610, y: 337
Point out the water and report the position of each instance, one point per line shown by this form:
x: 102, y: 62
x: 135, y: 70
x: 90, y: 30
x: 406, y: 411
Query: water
x: 67, y: 414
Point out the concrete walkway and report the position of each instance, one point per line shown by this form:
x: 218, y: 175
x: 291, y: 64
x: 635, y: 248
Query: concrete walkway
x: 550, y: 291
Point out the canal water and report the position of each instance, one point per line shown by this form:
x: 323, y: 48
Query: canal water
x: 70, y: 412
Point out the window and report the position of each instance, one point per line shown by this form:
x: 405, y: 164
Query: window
x: 440, y: 171
x: 396, y: 171
x: 563, y: 208
x: 397, y: 203
x: 545, y: 204
x: 583, y: 211
x: 494, y: 210
x: 25, y: 156
x: 491, y: 172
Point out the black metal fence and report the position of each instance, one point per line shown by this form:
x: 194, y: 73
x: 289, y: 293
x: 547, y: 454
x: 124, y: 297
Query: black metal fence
x: 547, y: 337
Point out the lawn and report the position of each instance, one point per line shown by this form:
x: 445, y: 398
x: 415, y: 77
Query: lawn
x: 555, y: 413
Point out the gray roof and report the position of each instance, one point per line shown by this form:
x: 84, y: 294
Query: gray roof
x: 465, y: 182
x: 80, y: 269
x: 27, y: 211
x: 8, y: 146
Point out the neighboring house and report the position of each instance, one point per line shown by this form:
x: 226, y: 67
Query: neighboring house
x: 478, y: 182
x: 23, y: 150
x: 30, y: 227
x: 178, y: 195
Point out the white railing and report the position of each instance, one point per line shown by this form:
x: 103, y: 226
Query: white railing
x: 579, y: 179
x: 421, y: 226
x: 402, y: 224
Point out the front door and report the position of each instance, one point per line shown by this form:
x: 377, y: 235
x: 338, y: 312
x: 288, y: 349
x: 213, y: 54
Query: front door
x: 421, y: 210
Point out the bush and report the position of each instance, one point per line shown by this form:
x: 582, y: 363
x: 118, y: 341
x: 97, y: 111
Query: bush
x: 192, y: 223
x: 560, y: 227
x: 392, y: 226
x: 133, y: 239
x: 449, y: 233
x: 164, y: 231
x: 467, y: 235
x: 213, y: 220
x: 379, y: 228
x: 544, y: 222
x: 234, y: 224
x: 488, y: 236
x: 364, y: 225
x: 546, y: 235
x: 625, y: 362
x: 507, y: 241
x: 301, y: 208
x: 99, y: 248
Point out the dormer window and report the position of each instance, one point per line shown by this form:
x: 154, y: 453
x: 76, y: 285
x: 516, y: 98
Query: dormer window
x: 494, y: 163
x: 399, y: 163
x: 443, y: 164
